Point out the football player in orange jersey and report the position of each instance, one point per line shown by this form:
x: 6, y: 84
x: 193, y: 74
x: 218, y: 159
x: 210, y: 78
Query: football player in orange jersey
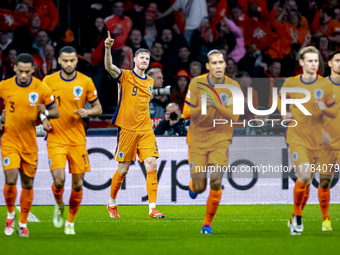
x: 66, y: 138
x: 209, y: 144
x: 305, y: 137
x: 22, y: 95
x: 330, y: 152
x: 135, y: 133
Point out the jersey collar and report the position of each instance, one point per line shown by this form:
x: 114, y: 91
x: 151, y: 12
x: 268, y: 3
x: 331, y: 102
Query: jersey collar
x: 23, y: 86
x: 66, y: 79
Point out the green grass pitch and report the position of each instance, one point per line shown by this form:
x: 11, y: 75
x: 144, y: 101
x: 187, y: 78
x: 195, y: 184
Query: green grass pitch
x: 238, y: 229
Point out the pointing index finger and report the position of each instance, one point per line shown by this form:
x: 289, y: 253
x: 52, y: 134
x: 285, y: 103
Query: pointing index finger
x: 108, y: 34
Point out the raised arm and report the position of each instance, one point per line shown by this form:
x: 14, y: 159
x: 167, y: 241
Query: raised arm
x: 111, y: 68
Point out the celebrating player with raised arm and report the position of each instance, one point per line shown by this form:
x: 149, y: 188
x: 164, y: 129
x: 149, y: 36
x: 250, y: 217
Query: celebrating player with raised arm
x: 209, y: 145
x: 22, y: 95
x: 305, y: 139
x: 66, y: 138
x: 330, y: 153
x: 135, y: 133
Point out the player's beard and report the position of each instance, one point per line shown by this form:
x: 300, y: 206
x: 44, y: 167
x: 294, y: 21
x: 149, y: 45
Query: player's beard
x: 68, y: 73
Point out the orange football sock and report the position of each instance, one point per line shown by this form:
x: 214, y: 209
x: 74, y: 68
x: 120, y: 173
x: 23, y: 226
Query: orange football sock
x: 305, y: 199
x: 212, y: 206
x: 151, y: 185
x: 299, y: 194
x: 75, y: 201
x: 191, y: 186
x: 10, y: 193
x: 26, y: 200
x: 58, y: 194
x: 116, y: 183
x: 324, y: 197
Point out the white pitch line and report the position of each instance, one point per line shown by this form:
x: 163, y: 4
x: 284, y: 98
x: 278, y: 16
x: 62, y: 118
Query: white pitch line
x: 31, y: 217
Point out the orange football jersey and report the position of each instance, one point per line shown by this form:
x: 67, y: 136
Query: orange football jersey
x: 308, y: 131
x: 330, y: 29
x: 201, y: 132
x: 132, y: 112
x: 332, y: 125
x: 70, y: 95
x: 21, y: 104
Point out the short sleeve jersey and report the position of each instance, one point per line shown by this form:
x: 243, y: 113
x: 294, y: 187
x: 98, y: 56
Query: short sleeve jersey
x: 308, y: 131
x: 21, y: 104
x: 134, y: 92
x: 70, y: 96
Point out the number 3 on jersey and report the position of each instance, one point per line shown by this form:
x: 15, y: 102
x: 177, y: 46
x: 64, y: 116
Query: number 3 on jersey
x: 134, y: 90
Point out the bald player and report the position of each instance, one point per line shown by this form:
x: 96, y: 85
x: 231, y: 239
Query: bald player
x: 135, y: 133
x: 209, y: 145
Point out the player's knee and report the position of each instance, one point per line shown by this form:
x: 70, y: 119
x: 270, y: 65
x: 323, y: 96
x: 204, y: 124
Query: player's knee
x: 325, y: 183
x: 150, y: 164
x: 304, y: 179
x: 199, y: 187
x: 77, y: 186
x: 11, y: 181
x: 59, y: 183
x: 216, y: 183
x: 28, y: 185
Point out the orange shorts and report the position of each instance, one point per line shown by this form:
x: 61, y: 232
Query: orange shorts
x: 328, y: 160
x: 130, y: 143
x: 13, y: 158
x: 77, y: 157
x: 300, y: 154
x: 199, y: 158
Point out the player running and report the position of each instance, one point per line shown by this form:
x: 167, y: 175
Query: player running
x: 305, y: 139
x: 135, y: 133
x: 209, y: 145
x: 22, y: 95
x: 330, y: 153
x: 66, y: 139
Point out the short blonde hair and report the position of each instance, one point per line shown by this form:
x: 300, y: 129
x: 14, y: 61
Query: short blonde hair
x: 309, y: 49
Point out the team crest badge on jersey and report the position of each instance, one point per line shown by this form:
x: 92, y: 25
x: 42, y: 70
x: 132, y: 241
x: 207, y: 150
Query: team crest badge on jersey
x: 121, y: 154
x: 224, y: 98
x: 33, y: 97
x: 318, y: 93
x: 295, y: 156
x: 6, y: 161
x: 324, y: 29
x: 150, y: 89
x: 77, y: 91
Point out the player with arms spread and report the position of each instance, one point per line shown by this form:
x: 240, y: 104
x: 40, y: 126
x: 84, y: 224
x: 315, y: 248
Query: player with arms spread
x: 135, y: 133
x: 22, y: 95
x: 209, y: 145
x: 66, y: 138
x: 330, y: 152
x: 305, y: 139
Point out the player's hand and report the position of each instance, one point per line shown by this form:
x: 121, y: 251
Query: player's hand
x: 47, y: 125
x: 322, y: 106
x: 2, y: 126
x: 326, y: 138
x: 108, y: 41
x: 82, y: 112
x: 288, y: 116
x: 42, y: 108
x: 3, y: 115
x: 210, y: 101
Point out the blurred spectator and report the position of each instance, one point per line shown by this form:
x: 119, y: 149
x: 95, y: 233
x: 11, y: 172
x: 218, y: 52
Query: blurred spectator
x: 5, y: 41
x: 252, y: 59
x: 136, y: 13
x: 158, y: 103
x: 337, y: 13
x: 156, y: 52
x: 180, y: 88
x: 231, y: 70
x: 40, y: 41
x: 49, y: 62
x: 239, y: 51
x: 328, y: 26
x: 135, y: 40
x: 118, y: 25
x: 324, y: 47
x: 256, y: 13
x: 292, y: 5
x: 173, y: 124
x: 298, y: 33
x: 245, y: 82
x: 2, y: 69
x: 261, y: 125
x: 195, y: 69
x: 316, y: 21
x: 183, y: 61
x: 196, y: 14
x: 48, y: 13
x: 11, y: 60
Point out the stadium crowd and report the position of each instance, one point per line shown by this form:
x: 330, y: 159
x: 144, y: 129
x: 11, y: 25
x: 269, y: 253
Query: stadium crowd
x: 258, y: 38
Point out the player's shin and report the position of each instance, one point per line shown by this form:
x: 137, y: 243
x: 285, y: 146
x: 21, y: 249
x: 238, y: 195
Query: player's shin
x: 10, y: 193
x: 116, y: 183
x: 75, y: 201
x: 212, y: 205
x: 26, y: 200
x: 324, y: 198
x: 58, y: 194
x: 305, y: 198
x: 151, y: 186
x: 299, y: 194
